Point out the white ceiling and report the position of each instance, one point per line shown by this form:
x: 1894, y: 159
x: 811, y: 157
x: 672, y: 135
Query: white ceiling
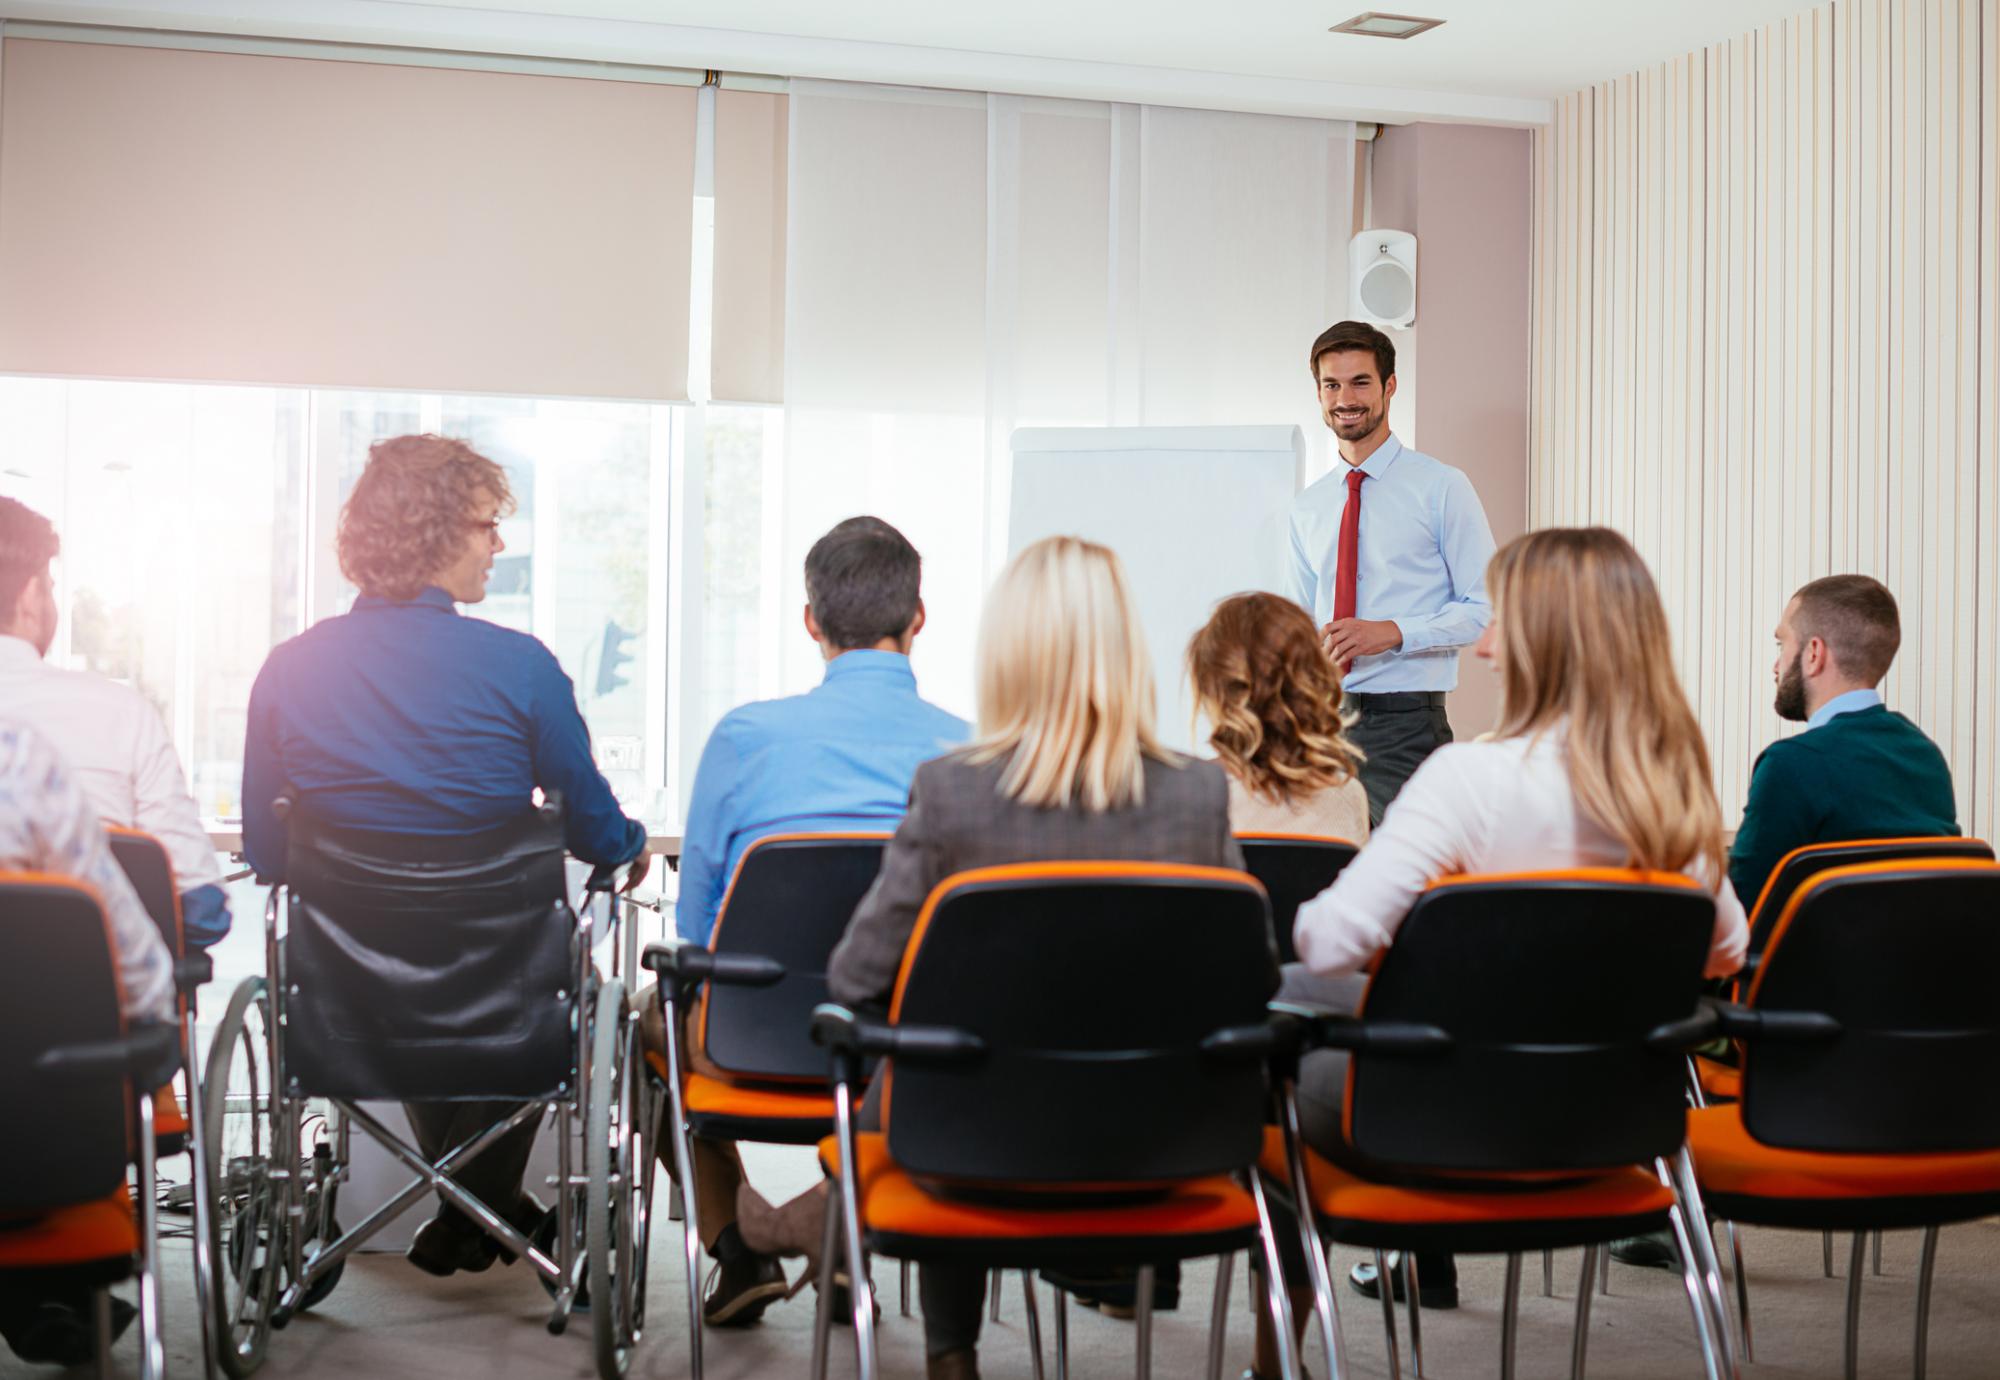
x: 1486, y: 47
x: 1493, y: 61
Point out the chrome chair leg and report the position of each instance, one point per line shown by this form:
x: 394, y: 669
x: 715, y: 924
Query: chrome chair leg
x: 1318, y: 1270
x: 1924, y: 1269
x: 1142, y: 1315
x: 1218, y: 1317
x: 1384, y: 1286
x: 1704, y: 1319
x: 1548, y: 1273
x: 1274, y: 1283
x: 1416, y: 1327
x: 1062, y: 1335
x: 1826, y: 1252
x: 1604, y: 1272
x: 1684, y: 1183
x: 1581, y: 1342
x: 906, y: 1289
x: 1877, y: 1264
x: 1742, y: 1293
x: 1034, y: 1320
x: 1854, y: 1267
x: 100, y: 1326
x: 993, y: 1295
x: 1510, y: 1316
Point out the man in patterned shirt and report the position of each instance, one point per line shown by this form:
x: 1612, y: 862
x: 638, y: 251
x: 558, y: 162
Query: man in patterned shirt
x: 47, y: 825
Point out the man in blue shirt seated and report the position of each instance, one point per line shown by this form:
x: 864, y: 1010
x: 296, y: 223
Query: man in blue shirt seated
x: 403, y: 716
x: 837, y: 758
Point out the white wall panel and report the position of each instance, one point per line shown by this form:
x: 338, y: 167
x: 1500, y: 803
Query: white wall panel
x: 1767, y: 347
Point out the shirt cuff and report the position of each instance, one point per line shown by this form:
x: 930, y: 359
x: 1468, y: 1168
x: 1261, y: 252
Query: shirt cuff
x: 204, y: 915
x: 1412, y: 637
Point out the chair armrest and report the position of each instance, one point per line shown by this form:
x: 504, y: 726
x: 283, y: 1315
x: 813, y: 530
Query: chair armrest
x: 839, y: 1029
x: 1337, y: 1030
x: 1279, y: 1034
x: 1689, y: 1032
x: 150, y: 1056
x: 693, y: 963
x: 192, y: 971
x: 1756, y: 1023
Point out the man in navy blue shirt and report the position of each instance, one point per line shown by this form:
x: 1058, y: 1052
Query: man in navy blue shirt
x: 406, y: 717
x: 839, y: 757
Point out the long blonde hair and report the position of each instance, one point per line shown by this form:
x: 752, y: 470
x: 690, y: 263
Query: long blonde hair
x: 1272, y: 699
x: 1065, y: 685
x: 1583, y: 638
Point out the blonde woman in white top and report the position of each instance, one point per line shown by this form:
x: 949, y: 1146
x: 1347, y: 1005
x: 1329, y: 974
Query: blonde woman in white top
x: 1273, y: 703
x: 1597, y: 761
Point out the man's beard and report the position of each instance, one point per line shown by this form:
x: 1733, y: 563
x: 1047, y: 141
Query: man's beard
x: 1365, y: 427
x: 1791, y: 702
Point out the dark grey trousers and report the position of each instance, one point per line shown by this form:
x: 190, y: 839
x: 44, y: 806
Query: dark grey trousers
x: 1396, y: 733
x: 494, y: 1175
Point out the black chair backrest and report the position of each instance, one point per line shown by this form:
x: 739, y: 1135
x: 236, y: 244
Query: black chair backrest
x: 1093, y: 986
x: 1801, y: 864
x: 790, y: 900
x: 69, y: 1132
x: 147, y: 867
x: 429, y: 967
x: 1294, y: 868
x: 1548, y: 984
x: 1904, y: 956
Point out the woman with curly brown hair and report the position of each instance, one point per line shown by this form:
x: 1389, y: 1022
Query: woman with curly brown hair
x: 1272, y: 701
x: 404, y: 716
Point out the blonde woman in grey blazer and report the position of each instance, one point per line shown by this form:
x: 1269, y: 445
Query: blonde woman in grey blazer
x: 1066, y: 766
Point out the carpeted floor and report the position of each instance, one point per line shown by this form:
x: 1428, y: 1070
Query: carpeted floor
x: 386, y: 1319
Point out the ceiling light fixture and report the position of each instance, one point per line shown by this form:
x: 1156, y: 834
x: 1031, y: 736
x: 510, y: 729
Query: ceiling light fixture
x: 1373, y: 25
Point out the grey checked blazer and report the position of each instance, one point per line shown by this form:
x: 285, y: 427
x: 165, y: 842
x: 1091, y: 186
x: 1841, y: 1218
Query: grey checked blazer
x: 958, y: 820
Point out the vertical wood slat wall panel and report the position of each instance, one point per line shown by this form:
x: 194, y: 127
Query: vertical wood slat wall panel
x: 1767, y: 347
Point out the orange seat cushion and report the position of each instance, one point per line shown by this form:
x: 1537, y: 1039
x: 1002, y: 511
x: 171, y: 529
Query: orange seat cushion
x: 705, y: 1096
x: 1339, y: 1193
x: 1720, y: 1080
x: 1727, y: 1160
x: 102, y: 1230
x: 168, y: 1118
x: 892, y: 1202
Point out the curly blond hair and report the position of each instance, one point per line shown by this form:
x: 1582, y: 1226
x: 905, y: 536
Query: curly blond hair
x: 408, y: 514
x: 1272, y: 698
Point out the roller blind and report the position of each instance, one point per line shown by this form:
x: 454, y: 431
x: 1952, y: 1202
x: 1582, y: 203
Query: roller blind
x: 748, y: 361
x: 230, y: 217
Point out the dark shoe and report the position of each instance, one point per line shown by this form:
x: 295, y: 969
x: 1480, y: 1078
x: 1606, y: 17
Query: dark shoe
x: 1653, y: 1251
x: 1437, y: 1280
x: 59, y: 1334
x: 449, y: 1243
x: 743, y: 1283
x: 962, y: 1364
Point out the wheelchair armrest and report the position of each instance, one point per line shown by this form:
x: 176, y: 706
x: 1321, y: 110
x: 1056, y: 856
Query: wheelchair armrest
x: 1689, y: 1032
x: 693, y: 964
x: 839, y: 1029
x: 192, y: 971
x: 1755, y: 1023
x: 150, y: 1055
x: 1332, y: 1030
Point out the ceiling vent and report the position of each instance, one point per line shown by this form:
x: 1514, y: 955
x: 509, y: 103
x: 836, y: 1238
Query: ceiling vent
x: 1373, y: 25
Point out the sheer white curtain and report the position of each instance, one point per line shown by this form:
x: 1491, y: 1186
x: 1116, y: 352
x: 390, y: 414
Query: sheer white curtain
x: 962, y: 265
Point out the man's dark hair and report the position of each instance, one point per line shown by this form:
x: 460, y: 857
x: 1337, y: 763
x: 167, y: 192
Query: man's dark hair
x: 28, y: 543
x: 862, y: 580
x: 1855, y: 617
x: 1356, y: 335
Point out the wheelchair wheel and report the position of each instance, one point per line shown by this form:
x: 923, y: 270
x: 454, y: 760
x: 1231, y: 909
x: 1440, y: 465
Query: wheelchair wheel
x: 245, y: 1218
x: 618, y: 1167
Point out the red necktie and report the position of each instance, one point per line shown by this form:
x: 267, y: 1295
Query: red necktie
x: 1350, y: 542
x: 1351, y: 539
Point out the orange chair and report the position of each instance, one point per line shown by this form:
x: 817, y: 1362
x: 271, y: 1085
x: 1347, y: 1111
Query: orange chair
x: 1871, y: 1072
x: 756, y: 985
x: 1293, y: 868
x: 1516, y: 1084
x: 1045, y: 1107
x: 67, y: 1214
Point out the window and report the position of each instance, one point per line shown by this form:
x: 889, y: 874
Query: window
x: 198, y: 532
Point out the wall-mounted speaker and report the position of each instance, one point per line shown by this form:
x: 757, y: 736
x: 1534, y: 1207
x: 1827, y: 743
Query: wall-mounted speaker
x: 1382, y: 277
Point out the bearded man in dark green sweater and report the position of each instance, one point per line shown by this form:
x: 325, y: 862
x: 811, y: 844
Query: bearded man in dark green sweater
x: 1860, y: 770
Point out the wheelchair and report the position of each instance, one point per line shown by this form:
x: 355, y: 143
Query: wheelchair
x: 428, y: 969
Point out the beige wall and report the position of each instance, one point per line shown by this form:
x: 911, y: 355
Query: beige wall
x: 1767, y: 347
x: 1465, y: 193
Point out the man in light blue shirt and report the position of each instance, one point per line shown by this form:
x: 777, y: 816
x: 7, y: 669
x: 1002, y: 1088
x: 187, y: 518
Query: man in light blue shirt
x: 1389, y: 555
x: 837, y: 758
